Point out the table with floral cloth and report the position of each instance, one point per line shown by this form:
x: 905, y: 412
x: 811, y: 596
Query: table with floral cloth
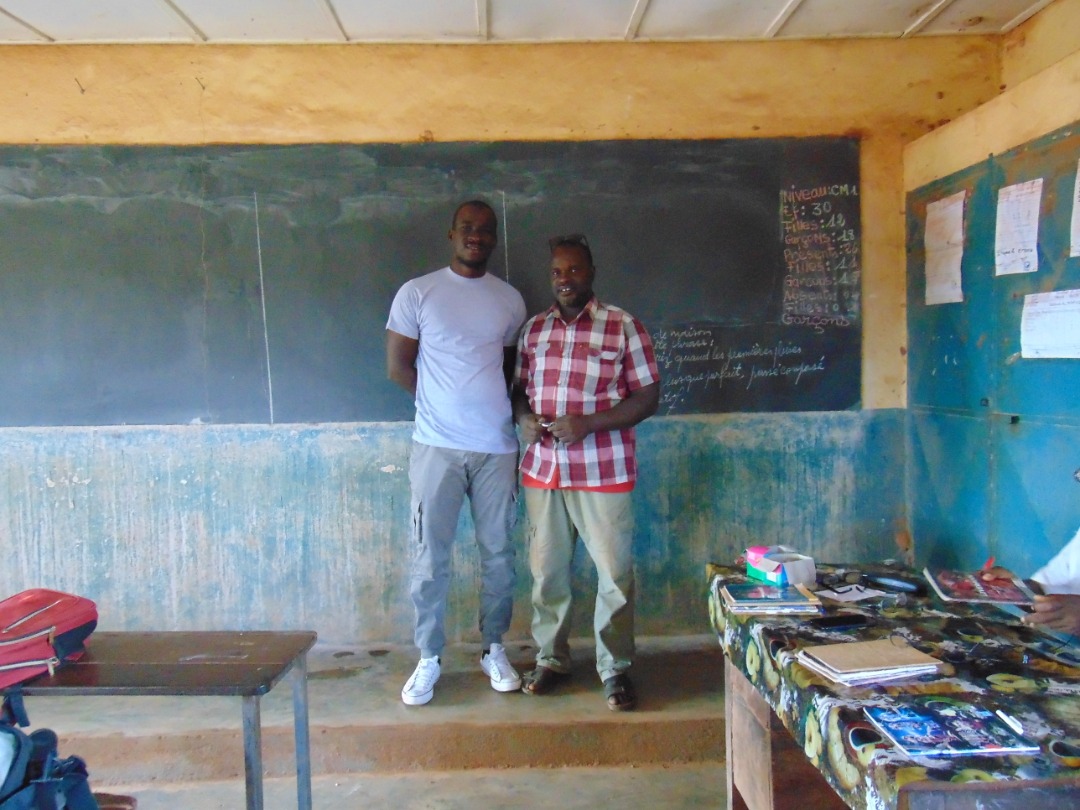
x: 989, y: 657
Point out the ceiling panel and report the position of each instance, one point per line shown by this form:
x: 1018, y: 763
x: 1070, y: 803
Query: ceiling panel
x: 285, y: 21
x: 13, y: 31
x: 409, y: 20
x: 980, y: 17
x: 844, y: 18
x: 101, y: 20
x: 517, y: 20
x: 264, y: 21
x: 708, y: 19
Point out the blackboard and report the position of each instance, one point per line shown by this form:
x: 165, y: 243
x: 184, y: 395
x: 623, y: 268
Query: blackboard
x: 171, y: 285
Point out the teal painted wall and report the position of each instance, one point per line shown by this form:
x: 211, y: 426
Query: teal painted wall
x: 994, y: 444
x: 303, y: 526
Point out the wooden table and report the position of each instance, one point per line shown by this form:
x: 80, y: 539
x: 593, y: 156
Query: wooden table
x: 795, y: 739
x: 245, y: 664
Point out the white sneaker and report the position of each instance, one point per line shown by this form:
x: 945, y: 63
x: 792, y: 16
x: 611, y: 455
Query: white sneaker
x: 504, y: 678
x: 420, y: 687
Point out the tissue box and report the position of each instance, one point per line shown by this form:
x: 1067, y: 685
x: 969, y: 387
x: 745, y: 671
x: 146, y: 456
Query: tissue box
x: 780, y: 565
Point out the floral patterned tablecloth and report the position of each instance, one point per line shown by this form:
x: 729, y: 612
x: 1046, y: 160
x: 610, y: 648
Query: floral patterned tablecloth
x: 990, y: 659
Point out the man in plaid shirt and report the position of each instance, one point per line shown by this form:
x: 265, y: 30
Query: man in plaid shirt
x: 585, y: 375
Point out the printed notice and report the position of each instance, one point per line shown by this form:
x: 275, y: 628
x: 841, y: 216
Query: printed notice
x: 1050, y: 325
x: 1016, y: 243
x: 1074, y: 229
x: 944, y: 241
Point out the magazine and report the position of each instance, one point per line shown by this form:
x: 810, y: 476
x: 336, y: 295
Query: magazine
x: 961, y: 586
x: 755, y: 597
x: 940, y: 726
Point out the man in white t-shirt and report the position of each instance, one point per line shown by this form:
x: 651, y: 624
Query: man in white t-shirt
x: 1059, y: 579
x: 450, y: 342
x: 1057, y: 605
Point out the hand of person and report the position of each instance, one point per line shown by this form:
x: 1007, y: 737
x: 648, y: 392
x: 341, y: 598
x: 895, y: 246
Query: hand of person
x: 1056, y: 611
x: 997, y: 572
x: 531, y: 428
x: 571, y: 428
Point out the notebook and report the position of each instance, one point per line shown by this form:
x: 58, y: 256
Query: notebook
x: 756, y: 597
x: 856, y: 663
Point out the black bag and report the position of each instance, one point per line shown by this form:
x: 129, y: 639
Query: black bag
x: 33, y: 776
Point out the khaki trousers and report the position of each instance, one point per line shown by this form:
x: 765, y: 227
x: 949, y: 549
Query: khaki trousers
x: 605, y: 523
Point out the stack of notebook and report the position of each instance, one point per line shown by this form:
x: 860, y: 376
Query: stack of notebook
x: 856, y: 663
x: 754, y: 597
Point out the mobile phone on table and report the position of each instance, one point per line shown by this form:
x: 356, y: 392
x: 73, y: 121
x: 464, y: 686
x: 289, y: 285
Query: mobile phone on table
x: 839, y: 621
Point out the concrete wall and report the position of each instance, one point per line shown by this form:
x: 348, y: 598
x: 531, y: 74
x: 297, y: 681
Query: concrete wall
x: 218, y: 527
x: 303, y: 525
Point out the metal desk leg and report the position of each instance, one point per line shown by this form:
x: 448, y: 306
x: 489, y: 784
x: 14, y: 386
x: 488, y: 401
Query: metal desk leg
x: 303, y: 742
x: 253, y: 771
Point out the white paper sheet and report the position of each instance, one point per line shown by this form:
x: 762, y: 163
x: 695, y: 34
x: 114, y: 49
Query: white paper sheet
x: 1050, y: 324
x: 1074, y: 229
x: 851, y: 594
x: 944, y: 241
x: 1016, y: 239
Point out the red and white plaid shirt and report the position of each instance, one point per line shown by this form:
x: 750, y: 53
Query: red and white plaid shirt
x: 583, y: 367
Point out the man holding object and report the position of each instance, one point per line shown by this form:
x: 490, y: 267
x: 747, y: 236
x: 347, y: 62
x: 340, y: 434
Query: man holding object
x: 1057, y: 585
x: 586, y: 374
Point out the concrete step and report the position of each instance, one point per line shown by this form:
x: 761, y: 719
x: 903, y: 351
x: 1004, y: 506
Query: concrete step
x: 630, y: 787
x: 359, y: 726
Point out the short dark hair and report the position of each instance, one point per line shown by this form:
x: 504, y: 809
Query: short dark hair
x: 473, y: 204
x: 572, y: 240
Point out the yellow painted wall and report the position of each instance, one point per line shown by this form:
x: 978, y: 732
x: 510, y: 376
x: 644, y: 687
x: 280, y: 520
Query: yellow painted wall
x: 1050, y: 36
x: 887, y: 92
x: 1041, y: 102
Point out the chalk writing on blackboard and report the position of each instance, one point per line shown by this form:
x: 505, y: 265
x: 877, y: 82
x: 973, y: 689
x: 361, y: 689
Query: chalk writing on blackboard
x: 819, y: 228
x: 806, y: 355
x: 703, y: 361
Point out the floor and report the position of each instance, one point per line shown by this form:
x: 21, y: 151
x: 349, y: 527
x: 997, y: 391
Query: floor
x: 470, y: 747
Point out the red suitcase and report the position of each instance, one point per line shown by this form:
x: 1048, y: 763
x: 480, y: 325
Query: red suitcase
x: 39, y: 630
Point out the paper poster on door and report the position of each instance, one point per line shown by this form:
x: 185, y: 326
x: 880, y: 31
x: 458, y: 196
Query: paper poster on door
x: 944, y: 240
x: 1016, y: 240
x: 1050, y: 324
x: 1074, y: 227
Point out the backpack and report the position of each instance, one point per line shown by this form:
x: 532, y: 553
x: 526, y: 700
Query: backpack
x: 33, y: 776
x: 39, y: 630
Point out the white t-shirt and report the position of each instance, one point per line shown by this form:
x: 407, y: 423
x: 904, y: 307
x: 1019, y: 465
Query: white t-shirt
x: 1062, y: 573
x: 463, y: 325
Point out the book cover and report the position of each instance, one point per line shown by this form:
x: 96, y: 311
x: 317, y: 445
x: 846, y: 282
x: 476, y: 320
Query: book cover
x: 962, y: 586
x: 939, y: 726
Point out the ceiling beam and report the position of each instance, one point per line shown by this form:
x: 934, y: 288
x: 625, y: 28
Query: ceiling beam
x: 483, y: 20
x: 36, y: 31
x: 636, y: 16
x: 1024, y: 16
x: 171, y: 6
x: 781, y: 19
x: 925, y: 18
x: 336, y: 19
